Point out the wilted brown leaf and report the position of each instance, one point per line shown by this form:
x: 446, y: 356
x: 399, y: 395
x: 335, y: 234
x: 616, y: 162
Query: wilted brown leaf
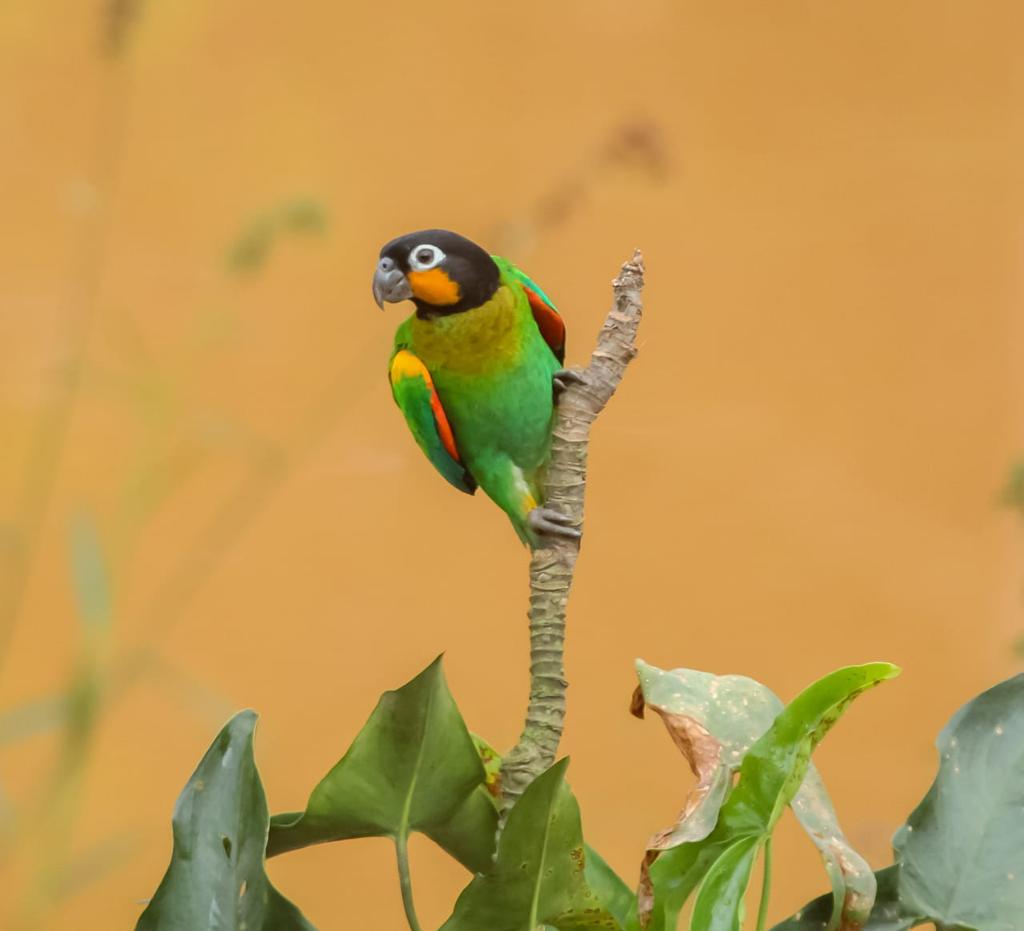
x: 714, y: 720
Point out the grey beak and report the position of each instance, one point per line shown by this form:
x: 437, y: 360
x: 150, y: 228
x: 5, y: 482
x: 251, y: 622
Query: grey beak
x: 389, y: 284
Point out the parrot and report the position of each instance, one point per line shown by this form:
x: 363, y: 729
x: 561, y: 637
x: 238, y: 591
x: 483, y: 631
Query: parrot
x: 476, y: 371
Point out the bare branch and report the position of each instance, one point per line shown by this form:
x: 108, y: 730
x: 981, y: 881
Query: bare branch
x: 551, y: 568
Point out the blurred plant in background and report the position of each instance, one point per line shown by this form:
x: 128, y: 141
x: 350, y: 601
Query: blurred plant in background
x: 1013, y: 491
x: 636, y: 145
x: 179, y: 442
x: 820, y: 150
x: 1012, y: 497
x: 179, y: 439
x: 253, y: 247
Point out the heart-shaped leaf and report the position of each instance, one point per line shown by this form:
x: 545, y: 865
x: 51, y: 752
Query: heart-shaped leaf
x: 961, y: 852
x: 413, y: 767
x: 216, y: 877
x: 959, y: 856
x: 539, y: 875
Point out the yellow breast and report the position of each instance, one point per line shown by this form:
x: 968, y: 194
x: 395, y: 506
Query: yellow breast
x: 476, y: 341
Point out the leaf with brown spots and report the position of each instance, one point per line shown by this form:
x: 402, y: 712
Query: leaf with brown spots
x: 888, y: 913
x: 730, y: 724
x: 958, y: 857
x: 713, y: 720
x: 853, y: 882
x: 961, y: 852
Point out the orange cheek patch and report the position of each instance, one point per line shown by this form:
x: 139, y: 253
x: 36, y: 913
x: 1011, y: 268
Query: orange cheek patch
x: 434, y: 287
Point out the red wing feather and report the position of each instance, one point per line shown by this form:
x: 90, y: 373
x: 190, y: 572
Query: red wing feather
x: 548, y: 322
x: 418, y: 399
x: 444, y: 428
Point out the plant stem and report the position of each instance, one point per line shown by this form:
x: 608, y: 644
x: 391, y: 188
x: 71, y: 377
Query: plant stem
x: 78, y: 310
x: 766, y: 884
x: 402, y: 849
x: 552, y: 566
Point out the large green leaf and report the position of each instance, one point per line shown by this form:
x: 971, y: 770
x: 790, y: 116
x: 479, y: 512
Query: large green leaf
x: 216, y: 877
x: 888, y: 913
x: 775, y: 766
x: 770, y: 774
x: 413, y: 767
x: 962, y: 850
x: 960, y: 856
x: 538, y: 877
x: 714, y: 720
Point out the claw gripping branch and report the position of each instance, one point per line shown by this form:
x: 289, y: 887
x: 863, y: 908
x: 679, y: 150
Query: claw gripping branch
x: 552, y: 566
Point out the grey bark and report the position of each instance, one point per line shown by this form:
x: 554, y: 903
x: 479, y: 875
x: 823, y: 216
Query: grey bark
x: 552, y: 566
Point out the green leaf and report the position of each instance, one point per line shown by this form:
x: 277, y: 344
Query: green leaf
x: 774, y: 768
x: 770, y: 774
x: 713, y: 720
x: 959, y: 858
x: 538, y: 877
x: 853, y: 882
x: 888, y: 913
x: 491, y: 760
x: 670, y: 880
x: 413, y: 767
x: 216, y: 877
x: 605, y: 883
x: 719, y: 905
x: 962, y: 850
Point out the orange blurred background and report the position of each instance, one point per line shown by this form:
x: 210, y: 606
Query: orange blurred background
x: 800, y: 471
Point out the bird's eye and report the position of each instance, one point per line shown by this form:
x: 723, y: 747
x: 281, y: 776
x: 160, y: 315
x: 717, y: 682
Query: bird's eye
x: 425, y: 257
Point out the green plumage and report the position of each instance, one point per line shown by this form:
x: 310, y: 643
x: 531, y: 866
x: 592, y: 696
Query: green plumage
x: 491, y: 369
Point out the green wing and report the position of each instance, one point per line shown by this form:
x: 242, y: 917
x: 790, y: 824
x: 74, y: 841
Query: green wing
x: 414, y: 392
x: 546, y: 315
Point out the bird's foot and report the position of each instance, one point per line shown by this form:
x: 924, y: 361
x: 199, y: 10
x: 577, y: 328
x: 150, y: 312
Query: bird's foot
x: 563, y: 378
x: 546, y: 522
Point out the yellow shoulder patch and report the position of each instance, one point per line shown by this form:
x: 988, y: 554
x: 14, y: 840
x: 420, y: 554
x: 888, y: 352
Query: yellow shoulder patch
x: 406, y: 365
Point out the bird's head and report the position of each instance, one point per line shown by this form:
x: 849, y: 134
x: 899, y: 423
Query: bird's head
x: 442, y: 272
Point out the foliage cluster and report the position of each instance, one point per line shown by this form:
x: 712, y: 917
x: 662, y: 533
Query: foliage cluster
x: 416, y: 767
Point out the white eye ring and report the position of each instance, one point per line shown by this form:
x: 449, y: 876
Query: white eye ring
x: 425, y: 257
